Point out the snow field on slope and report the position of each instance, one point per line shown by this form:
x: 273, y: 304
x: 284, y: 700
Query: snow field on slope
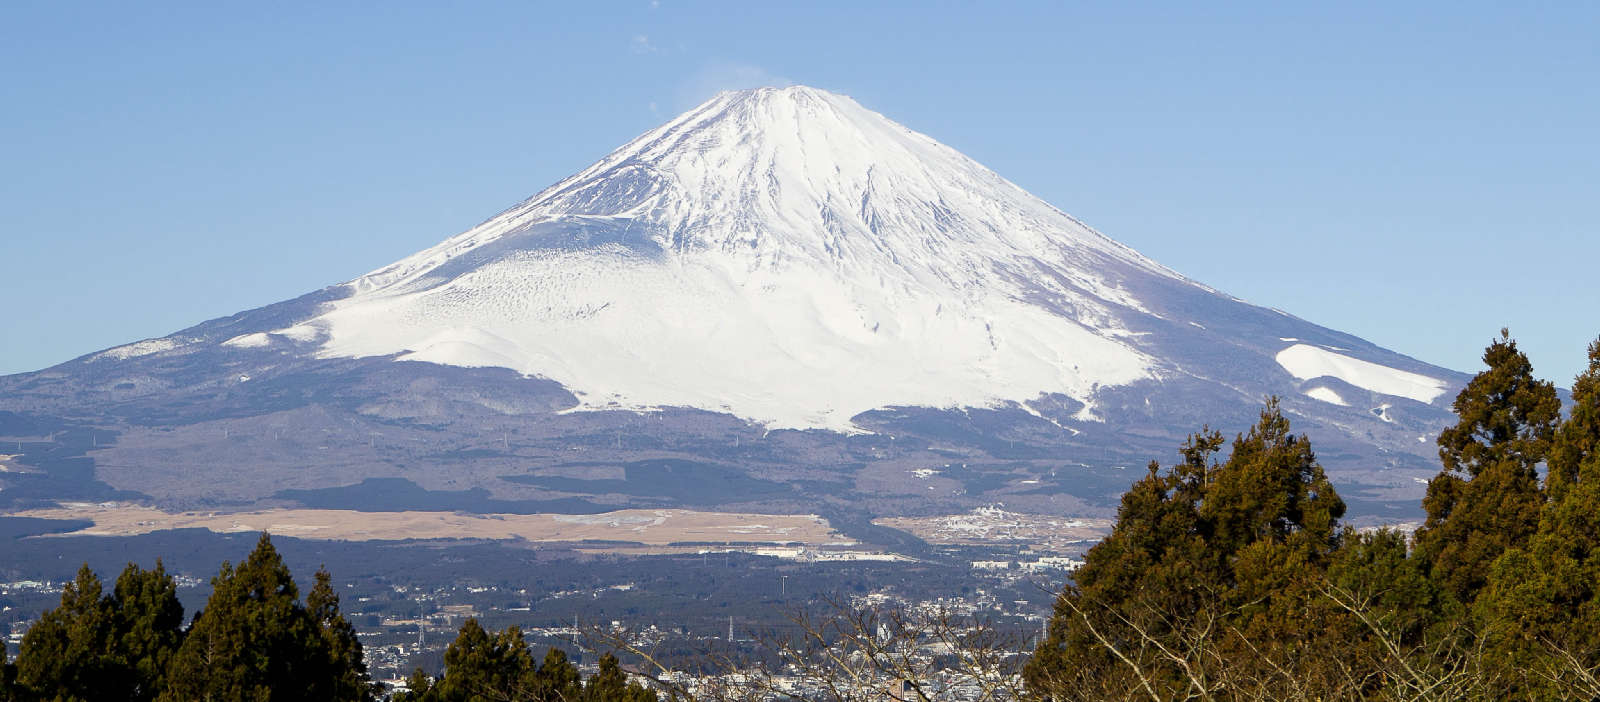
x: 792, y: 347
x: 1305, y: 362
x: 784, y: 255
x: 1327, y: 395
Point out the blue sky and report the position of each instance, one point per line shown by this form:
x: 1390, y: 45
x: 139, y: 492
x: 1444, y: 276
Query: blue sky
x: 1419, y: 174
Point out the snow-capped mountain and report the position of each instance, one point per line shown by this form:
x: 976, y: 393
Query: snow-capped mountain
x: 782, y: 254
x: 781, y: 259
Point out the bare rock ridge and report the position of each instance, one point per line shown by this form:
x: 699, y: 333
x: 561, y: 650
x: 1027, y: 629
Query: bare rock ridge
x: 780, y: 284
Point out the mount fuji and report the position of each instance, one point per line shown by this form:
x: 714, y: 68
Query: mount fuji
x: 778, y: 300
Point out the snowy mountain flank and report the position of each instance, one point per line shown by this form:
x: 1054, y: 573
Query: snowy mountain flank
x: 784, y: 255
x: 772, y: 260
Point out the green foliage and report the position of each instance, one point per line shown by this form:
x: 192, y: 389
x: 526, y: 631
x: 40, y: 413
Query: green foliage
x: 1487, y: 497
x: 1210, y: 570
x: 347, y: 669
x: 480, y: 666
x: 255, y: 641
x: 65, y: 652
x: 418, y: 687
x: 486, y: 667
x: 611, y: 685
x: 148, y: 628
x: 96, y: 646
x: 1544, y: 597
x: 1231, y: 547
x: 1578, y: 439
x: 557, y: 678
x: 1375, y: 568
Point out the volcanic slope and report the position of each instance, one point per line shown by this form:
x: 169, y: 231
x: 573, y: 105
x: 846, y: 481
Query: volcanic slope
x: 779, y: 297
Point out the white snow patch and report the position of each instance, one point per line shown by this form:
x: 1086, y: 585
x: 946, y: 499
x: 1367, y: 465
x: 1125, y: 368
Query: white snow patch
x: 784, y: 255
x: 300, y: 332
x: 1305, y: 362
x: 1030, y: 410
x: 137, y: 349
x: 248, y: 341
x: 1382, y: 412
x: 1326, y: 395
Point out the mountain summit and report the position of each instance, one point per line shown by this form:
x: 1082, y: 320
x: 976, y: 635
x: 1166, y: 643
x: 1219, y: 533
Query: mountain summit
x: 785, y: 255
x: 773, y: 259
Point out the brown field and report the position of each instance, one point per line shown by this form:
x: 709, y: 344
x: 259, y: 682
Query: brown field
x: 648, y: 527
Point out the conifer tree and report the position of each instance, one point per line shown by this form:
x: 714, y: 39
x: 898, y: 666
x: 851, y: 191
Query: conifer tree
x: 557, y: 678
x: 97, y: 646
x: 1487, y: 497
x: 1543, y: 600
x: 347, y: 667
x: 419, y: 687
x: 1374, y: 568
x: 65, y: 654
x: 610, y: 684
x: 1578, y: 438
x: 148, y: 628
x: 481, y: 666
x: 1239, y: 546
x: 255, y: 641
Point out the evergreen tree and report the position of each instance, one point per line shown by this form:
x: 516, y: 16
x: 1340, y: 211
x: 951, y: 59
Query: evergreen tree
x: 347, y: 666
x: 97, y: 646
x: 557, y: 678
x: 1543, y: 600
x: 419, y: 687
x: 147, y: 629
x: 610, y: 684
x: 1487, y: 497
x: 65, y: 654
x: 255, y: 641
x: 1374, y: 568
x: 1238, y: 546
x: 480, y: 667
x: 1578, y: 438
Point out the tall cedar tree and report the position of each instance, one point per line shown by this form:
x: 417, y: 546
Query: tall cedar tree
x: 66, y: 654
x: 254, y: 641
x: 115, y: 646
x: 347, y: 668
x: 1544, y: 599
x: 1237, y: 546
x: 480, y: 666
x: 484, y: 667
x: 1487, y: 497
x: 610, y: 684
x: 147, y: 623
